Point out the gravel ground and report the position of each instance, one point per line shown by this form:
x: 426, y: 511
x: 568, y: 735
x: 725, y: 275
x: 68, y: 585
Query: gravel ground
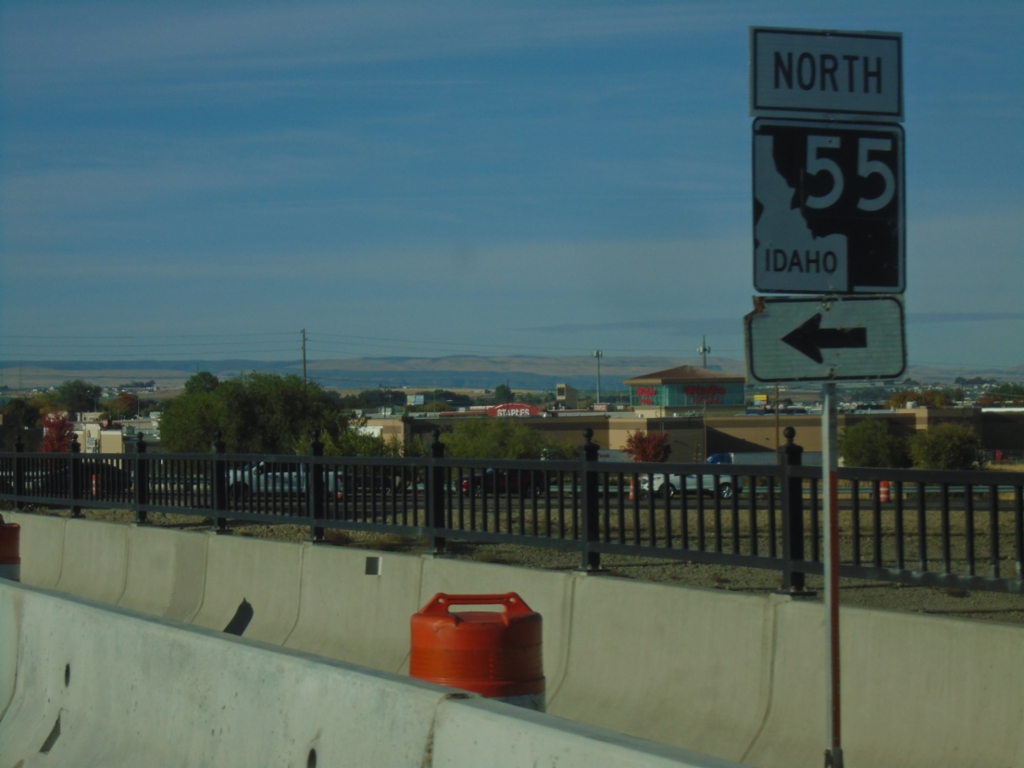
x: 976, y: 605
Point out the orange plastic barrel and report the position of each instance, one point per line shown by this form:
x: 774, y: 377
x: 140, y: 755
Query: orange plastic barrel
x: 10, y: 557
x: 495, y: 654
x: 883, y: 491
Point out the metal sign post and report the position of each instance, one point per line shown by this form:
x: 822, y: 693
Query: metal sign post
x: 829, y: 220
x: 830, y: 494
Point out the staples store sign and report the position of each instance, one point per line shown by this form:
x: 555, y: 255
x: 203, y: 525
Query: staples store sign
x: 514, y: 409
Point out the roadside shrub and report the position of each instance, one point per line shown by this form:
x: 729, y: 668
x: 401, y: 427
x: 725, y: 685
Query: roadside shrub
x: 498, y: 438
x: 57, y: 435
x: 869, y: 444
x: 647, y: 446
x: 947, y: 446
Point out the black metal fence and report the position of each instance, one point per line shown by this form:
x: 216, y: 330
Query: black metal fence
x: 954, y: 529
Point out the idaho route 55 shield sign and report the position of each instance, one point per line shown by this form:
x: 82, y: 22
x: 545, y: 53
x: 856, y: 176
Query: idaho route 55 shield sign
x: 828, y: 207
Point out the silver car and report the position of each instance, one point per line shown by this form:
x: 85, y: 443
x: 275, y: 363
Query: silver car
x: 668, y: 485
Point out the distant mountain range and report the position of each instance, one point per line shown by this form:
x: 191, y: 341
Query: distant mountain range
x: 455, y: 372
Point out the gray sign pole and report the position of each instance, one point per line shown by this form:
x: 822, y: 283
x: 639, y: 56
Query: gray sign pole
x: 811, y: 236
x: 830, y: 494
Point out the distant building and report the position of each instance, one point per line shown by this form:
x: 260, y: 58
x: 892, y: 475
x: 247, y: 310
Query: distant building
x: 566, y: 397
x: 684, y: 390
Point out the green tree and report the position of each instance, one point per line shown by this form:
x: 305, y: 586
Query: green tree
x: 947, y: 446
x: 19, y: 415
x: 930, y: 398
x: 870, y: 444
x: 374, y: 398
x: 487, y: 438
x: 503, y: 394
x: 1006, y: 394
x: 191, y: 422
x: 203, y: 381
x: 77, y: 395
x: 255, y: 413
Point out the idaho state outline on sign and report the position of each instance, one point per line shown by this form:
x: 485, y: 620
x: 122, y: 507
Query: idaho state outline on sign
x: 828, y: 207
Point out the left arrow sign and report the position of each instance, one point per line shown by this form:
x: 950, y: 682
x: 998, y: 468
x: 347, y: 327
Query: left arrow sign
x: 825, y: 338
x: 810, y: 338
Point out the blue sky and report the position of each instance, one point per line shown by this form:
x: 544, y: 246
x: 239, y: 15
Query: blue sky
x: 183, y: 180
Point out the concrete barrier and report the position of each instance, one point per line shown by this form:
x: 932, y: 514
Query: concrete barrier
x: 347, y: 613
x: 688, y: 667
x: 916, y: 691
x: 42, y: 547
x: 478, y: 732
x: 9, y: 631
x: 166, y: 572
x: 95, y: 560
x: 736, y: 675
x: 549, y: 593
x: 266, y: 574
x: 128, y: 689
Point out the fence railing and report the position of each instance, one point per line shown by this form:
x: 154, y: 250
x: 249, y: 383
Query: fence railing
x: 937, y: 528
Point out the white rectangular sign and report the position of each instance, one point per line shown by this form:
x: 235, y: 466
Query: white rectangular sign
x: 815, y: 73
x: 825, y: 338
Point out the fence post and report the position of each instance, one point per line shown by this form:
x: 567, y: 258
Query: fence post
x: 220, y: 484
x: 435, y: 493
x: 591, y: 560
x: 141, y: 480
x: 74, y: 476
x: 19, y: 471
x: 315, y: 486
x: 791, y: 455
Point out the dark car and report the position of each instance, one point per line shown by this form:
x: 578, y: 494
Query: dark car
x: 96, y: 479
x: 532, y: 482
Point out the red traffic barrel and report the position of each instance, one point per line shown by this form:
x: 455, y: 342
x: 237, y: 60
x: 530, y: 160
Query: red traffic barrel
x: 497, y: 654
x: 10, y: 559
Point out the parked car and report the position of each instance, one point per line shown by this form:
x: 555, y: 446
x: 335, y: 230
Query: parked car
x: 289, y: 479
x: 54, y: 479
x: 501, y: 481
x: 668, y: 485
x: 258, y: 477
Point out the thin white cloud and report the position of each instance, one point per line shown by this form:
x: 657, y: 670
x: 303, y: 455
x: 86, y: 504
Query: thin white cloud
x: 63, y: 39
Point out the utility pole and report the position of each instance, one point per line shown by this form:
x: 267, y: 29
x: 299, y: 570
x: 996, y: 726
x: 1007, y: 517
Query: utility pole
x: 598, y: 354
x: 776, y: 423
x: 704, y: 349
x: 303, y: 355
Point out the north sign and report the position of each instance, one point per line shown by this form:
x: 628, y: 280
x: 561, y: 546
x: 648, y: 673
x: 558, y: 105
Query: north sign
x: 828, y: 207
x: 825, y: 339
x: 816, y: 73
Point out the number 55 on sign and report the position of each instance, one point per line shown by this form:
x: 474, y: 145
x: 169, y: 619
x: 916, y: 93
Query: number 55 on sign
x: 828, y: 207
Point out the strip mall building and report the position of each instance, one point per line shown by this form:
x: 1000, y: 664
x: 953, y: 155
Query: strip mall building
x: 704, y: 412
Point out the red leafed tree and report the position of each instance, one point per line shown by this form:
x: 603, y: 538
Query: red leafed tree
x: 57, y: 433
x: 645, y: 446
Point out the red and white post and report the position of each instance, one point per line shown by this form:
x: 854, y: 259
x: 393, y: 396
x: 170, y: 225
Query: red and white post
x: 830, y: 494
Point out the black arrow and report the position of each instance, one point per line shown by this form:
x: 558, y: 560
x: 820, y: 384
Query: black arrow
x: 810, y: 338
